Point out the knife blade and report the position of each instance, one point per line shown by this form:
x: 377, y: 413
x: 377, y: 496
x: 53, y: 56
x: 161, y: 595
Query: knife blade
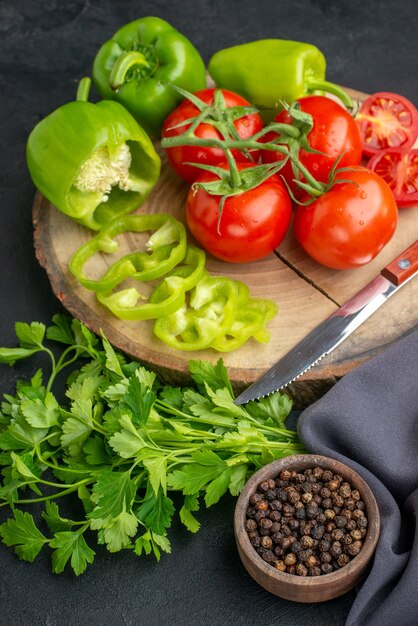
x: 335, y: 328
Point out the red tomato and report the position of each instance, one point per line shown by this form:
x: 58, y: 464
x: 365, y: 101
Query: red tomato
x: 348, y: 225
x: 387, y: 120
x: 399, y: 168
x: 252, y: 224
x: 246, y: 127
x: 334, y: 133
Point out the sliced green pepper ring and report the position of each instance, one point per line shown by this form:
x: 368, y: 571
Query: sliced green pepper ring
x: 190, y: 271
x: 167, y: 246
x: 250, y: 321
x: 213, y: 304
x: 165, y: 299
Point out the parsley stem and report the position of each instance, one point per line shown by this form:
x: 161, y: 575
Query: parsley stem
x: 60, y: 494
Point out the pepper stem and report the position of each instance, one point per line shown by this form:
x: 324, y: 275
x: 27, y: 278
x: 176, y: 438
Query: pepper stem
x: 125, y: 62
x: 324, y: 85
x: 83, y: 89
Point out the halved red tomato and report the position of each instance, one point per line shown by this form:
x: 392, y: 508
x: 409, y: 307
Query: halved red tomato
x: 387, y: 120
x: 399, y: 168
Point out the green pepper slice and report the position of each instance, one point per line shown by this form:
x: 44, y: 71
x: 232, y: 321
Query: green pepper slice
x: 211, y: 312
x: 166, y: 247
x: 92, y: 161
x: 165, y: 299
x: 269, y: 70
x: 136, y: 64
x: 250, y: 321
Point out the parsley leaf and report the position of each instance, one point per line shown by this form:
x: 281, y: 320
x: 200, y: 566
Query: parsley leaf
x: 70, y: 545
x: 22, y: 533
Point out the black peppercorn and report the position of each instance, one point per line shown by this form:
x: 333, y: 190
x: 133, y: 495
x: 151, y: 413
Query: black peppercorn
x: 362, y: 522
x: 270, y: 494
x: 290, y: 559
x: 301, y: 570
x: 325, y: 557
x: 335, y: 549
x: 296, y: 547
x: 266, y: 523
x: 288, y: 510
x: 259, y: 515
x: 266, y: 542
x: 326, y: 568
x: 306, y: 541
x: 318, y: 531
x: 293, y: 523
x: 285, y: 474
x: 255, y: 497
x: 343, y: 559
x: 250, y: 525
x: 312, y: 509
x: 354, y: 548
x: 324, y: 545
x: 304, y: 554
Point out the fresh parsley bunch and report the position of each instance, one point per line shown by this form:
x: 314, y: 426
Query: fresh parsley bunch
x: 121, y: 441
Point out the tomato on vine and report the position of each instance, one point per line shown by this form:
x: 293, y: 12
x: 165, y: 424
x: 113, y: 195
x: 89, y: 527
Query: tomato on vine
x: 334, y: 134
x: 245, y: 227
x: 348, y: 225
x: 229, y: 112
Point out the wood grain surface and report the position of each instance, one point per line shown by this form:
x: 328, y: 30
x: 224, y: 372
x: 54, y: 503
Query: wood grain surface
x: 305, y: 292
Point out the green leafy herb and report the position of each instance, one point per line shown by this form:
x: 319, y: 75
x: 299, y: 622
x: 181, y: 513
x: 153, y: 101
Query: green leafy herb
x: 122, y: 442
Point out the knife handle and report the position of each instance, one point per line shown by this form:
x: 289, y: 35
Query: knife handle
x: 403, y: 267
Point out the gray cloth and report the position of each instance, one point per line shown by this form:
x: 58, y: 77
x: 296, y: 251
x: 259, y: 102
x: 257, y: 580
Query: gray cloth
x: 369, y: 420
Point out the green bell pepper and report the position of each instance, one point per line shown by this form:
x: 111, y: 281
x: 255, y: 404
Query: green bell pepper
x: 166, y: 248
x: 165, y: 299
x: 136, y: 64
x: 269, y: 70
x: 92, y: 161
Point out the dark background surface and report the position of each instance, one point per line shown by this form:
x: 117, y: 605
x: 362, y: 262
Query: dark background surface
x: 45, y: 48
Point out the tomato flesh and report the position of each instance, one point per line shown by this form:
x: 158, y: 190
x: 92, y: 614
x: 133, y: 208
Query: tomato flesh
x: 387, y: 120
x: 399, y: 168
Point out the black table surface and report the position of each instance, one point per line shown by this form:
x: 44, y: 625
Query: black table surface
x: 45, y: 48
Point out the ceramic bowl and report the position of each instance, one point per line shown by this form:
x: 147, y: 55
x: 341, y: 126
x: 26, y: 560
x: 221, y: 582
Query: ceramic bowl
x: 309, y: 588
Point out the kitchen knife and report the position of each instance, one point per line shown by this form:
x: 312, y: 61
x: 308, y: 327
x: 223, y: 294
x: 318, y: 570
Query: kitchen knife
x: 335, y: 328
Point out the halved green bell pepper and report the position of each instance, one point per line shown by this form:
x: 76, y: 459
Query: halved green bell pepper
x: 92, y: 161
x: 166, y: 247
x: 136, y: 64
x: 269, y: 70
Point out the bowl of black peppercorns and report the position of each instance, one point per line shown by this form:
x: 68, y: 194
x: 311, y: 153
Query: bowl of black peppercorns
x: 306, y: 527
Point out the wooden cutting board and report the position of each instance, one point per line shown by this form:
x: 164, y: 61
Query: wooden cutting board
x: 305, y: 292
